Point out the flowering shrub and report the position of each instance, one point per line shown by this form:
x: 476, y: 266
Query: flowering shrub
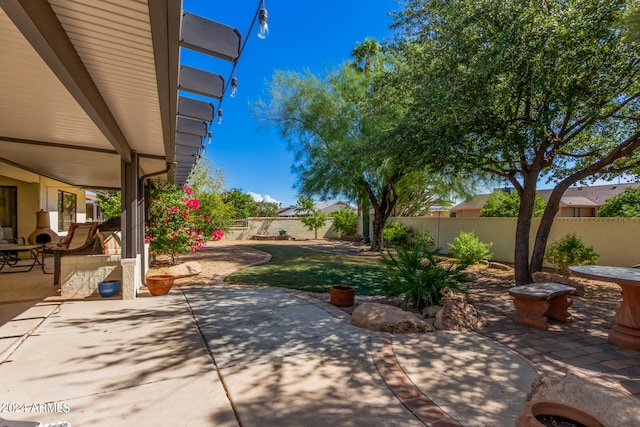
x: 217, y: 235
x: 174, y: 222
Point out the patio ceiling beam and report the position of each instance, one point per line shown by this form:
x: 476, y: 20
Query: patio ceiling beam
x: 210, y: 37
x: 39, y: 24
x: 165, y: 18
x: 201, y: 82
x: 72, y: 147
x: 189, y: 107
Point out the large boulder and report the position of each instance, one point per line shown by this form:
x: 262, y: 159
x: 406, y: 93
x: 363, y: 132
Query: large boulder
x: 186, y: 269
x: 431, y: 311
x: 541, y: 276
x: 388, y: 318
x: 458, y: 315
x: 613, y: 406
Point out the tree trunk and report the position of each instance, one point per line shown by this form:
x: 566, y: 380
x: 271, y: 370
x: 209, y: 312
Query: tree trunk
x: 381, y: 213
x: 366, y: 208
x: 377, y: 244
x: 523, y: 231
x: 546, y: 222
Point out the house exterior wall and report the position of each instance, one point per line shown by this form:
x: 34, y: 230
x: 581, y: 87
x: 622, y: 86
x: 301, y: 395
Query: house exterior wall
x: 271, y: 227
x: 27, y: 204
x: 569, y: 212
x: 614, y: 239
x: 35, y: 193
x: 466, y: 213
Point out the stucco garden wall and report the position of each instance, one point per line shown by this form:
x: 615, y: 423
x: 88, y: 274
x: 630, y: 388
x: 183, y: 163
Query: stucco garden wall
x: 616, y: 240
x: 272, y: 226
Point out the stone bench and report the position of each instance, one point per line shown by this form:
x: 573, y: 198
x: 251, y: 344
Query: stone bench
x: 535, y: 303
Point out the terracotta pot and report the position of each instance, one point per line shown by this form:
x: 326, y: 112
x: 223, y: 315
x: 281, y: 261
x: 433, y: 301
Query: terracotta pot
x: 342, y: 296
x: 159, y: 284
x: 559, y: 409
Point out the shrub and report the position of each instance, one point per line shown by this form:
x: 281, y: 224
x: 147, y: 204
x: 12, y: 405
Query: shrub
x: 420, y: 276
x: 396, y: 233
x: 625, y: 204
x: 345, y: 221
x: 570, y: 250
x: 174, y: 222
x: 425, y: 239
x: 468, y: 249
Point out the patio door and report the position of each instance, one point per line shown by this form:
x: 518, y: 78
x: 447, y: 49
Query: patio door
x: 9, y: 207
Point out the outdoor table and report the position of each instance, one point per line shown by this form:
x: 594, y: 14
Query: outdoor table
x: 9, y: 256
x: 626, y: 331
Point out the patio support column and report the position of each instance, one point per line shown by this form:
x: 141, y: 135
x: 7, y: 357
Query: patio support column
x: 132, y: 228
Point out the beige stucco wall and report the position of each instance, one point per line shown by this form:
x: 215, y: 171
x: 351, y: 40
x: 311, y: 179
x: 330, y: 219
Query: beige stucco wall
x: 271, y: 227
x: 35, y: 193
x: 616, y: 240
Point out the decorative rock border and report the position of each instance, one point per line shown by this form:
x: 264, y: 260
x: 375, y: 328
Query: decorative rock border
x: 279, y: 237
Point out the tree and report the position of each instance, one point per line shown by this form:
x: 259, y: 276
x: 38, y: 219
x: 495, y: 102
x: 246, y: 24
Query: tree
x: 312, y: 217
x: 345, y: 221
x: 111, y: 203
x: 420, y: 190
x: 503, y: 204
x: 342, y: 130
x: 207, y: 184
x: 241, y: 201
x: 263, y: 209
x: 525, y: 92
x: 625, y: 204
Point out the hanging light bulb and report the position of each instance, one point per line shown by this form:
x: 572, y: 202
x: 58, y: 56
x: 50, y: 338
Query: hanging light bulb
x: 220, y: 114
x: 210, y: 138
x: 234, y: 86
x: 263, y: 19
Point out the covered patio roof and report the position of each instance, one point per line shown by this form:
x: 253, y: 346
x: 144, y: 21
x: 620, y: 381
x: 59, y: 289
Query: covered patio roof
x: 86, y: 86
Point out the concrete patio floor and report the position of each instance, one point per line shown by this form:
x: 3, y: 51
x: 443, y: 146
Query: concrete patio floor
x: 233, y: 355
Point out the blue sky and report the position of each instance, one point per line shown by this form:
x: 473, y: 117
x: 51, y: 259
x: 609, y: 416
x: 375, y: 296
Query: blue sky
x: 303, y: 34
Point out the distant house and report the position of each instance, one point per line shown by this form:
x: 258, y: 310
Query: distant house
x: 327, y: 208
x: 576, y: 201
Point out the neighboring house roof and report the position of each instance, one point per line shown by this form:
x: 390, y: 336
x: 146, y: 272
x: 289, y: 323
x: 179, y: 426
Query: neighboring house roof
x: 593, y: 196
x: 578, y: 202
x: 326, y: 207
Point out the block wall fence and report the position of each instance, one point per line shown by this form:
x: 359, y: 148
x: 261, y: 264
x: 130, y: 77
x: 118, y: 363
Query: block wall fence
x: 616, y: 240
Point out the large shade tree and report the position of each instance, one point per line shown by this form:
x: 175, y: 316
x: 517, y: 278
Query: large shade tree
x: 526, y: 91
x: 340, y: 135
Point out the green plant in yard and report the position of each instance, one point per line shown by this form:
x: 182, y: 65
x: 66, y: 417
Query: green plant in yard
x: 570, y: 250
x: 424, y: 239
x: 396, y: 233
x: 345, y: 221
x: 312, y: 217
x: 421, y: 276
x: 468, y: 249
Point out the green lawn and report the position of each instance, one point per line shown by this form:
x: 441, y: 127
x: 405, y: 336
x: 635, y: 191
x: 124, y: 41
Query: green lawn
x: 306, y: 270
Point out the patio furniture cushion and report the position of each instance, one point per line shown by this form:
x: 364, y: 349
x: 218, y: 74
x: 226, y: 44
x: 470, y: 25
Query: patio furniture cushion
x: 110, y: 242
x: 78, y: 234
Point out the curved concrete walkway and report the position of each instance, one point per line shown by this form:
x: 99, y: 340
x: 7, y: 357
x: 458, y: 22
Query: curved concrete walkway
x: 233, y: 355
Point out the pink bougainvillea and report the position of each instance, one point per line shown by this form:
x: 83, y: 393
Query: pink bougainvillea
x: 217, y: 235
x: 174, y: 222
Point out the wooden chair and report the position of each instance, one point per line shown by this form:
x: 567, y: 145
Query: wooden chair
x: 81, y: 240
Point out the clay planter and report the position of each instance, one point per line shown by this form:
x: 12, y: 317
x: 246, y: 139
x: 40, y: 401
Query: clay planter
x: 159, y: 284
x: 557, y: 409
x: 342, y: 296
x: 109, y: 288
